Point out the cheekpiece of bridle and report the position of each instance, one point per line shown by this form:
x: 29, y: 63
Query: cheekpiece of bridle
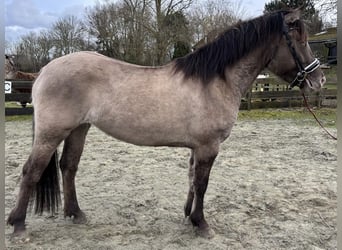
x: 302, y: 71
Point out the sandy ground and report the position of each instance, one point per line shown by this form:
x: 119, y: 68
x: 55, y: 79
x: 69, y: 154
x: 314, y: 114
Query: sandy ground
x: 273, y: 186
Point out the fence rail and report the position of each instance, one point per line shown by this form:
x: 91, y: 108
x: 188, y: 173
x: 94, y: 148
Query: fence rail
x: 18, y: 97
x: 288, y: 99
x: 258, y: 97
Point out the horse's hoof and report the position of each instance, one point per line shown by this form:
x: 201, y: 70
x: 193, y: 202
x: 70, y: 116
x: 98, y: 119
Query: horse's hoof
x: 20, y: 236
x: 80, y: 218
x: 206, y: 233
x: 19, y: 229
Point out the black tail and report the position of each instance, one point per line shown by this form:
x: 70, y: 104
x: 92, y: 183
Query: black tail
x: 47, y: 189
x: 47, y: 192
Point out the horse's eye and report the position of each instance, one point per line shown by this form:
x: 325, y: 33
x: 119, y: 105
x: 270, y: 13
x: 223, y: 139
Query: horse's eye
x: 294, y: 25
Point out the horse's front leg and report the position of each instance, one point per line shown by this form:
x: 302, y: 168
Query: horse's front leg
x: 204, y: 158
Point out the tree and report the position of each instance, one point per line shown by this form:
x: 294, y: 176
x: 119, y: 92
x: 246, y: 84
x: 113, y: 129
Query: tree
x: 135, y: 14
x: 328, y: 11
x: 175, y: 35
x: 102, y: 22
x: 45, y: 44
x: 143, y: 32
x: 120, y: 29
x: 33, y: 51
x: 68, y: 35
x: 181, y: 49
x: 36, y: 49
x: 146, y: 32
x: 208, y: 19
x: 308, y: 6
x: 309, y: 13
x: 179, y: 34
x: 169, y: 23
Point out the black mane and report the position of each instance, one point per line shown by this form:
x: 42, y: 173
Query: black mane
x: 240, y: 39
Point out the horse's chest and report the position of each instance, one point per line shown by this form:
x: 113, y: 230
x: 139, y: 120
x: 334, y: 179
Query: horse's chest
x: 217, y: 123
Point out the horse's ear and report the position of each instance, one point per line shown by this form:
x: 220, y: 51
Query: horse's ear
x: 293, y: 16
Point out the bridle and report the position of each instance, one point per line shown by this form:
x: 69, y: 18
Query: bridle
x: 302, y: 71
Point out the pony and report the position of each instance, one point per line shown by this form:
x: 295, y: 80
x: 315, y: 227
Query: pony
x: 11, y: 72
x: 191, y: 102
x: 10, y: 68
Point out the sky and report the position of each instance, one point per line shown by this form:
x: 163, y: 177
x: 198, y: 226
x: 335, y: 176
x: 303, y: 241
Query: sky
x: 24, y: 16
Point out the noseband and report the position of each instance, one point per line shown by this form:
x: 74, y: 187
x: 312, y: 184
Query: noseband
x: 302, y: 71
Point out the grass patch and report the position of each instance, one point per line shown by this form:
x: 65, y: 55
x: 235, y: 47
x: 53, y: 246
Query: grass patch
x: 15, y: 105
x: 326, y: 115
x: 18, y: 118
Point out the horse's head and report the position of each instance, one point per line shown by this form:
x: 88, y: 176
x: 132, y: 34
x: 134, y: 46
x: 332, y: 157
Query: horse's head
x: 10, y: 68
x: 293, y: 60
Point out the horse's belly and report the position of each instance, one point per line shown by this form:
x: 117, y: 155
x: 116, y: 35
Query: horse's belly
x: 141, y: 134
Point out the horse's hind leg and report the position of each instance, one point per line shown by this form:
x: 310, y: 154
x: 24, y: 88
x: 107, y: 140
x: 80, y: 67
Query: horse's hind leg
x: 73, y: 148
x: 39, y: 159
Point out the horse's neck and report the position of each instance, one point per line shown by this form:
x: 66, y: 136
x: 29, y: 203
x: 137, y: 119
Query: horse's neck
x: 243, y: 73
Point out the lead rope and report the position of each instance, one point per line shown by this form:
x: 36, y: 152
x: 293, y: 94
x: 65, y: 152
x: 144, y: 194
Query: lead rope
x: 307, y: 106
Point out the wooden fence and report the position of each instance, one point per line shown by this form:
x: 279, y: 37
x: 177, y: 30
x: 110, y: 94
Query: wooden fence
x: 21, y: 93
x: 271, y: 93
x: 261, y: 95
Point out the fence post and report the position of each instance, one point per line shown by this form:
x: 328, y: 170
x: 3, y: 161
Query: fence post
x: 319, y: 99
x: 249, y: 99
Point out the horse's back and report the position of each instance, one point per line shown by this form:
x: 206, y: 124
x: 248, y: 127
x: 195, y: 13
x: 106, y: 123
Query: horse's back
x: 84, y: 70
